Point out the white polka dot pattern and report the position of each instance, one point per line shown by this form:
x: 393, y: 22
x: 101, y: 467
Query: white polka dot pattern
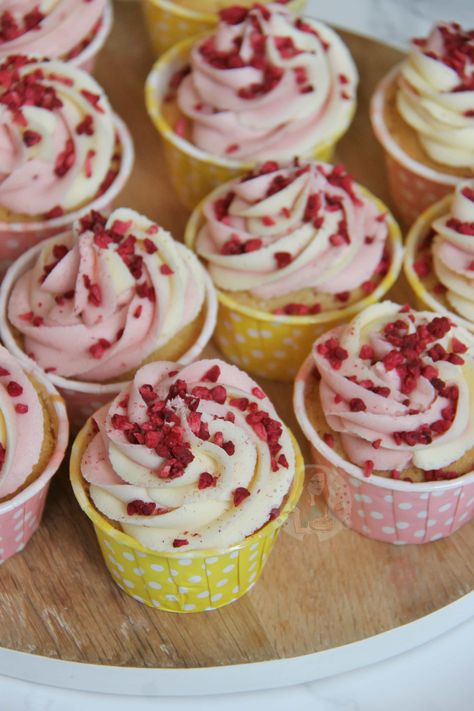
x: 396, y: 516
x: 187, y: 583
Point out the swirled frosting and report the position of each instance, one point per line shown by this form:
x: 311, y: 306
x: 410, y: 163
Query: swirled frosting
x: 21, y: 425
x: 436, y: 94
x: 453, y: 251
x: 193, y: 456
x: 49, y: 28
x: 398, y: 386
x: 283, y: 229
x: 267, y: 85
x: 101, y: 299
x: 57, y: 137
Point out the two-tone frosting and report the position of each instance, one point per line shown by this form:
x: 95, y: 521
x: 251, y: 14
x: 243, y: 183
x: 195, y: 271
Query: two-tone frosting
x: 21, y: 425
x: 453, y: 251
x: 102, y: 298
x: 398, y: 386
x: 57, y: 137
x: 267, y: 85
x: 191, y: 457
x: 436, y: 94
x: 51, y: 28
x: 283, y: 229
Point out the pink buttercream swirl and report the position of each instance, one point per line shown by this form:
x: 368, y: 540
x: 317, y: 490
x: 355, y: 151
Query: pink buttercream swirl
x: 101, y: 299
x: 21, y: 425
x: 52, y: 29
x: 283, y: 229
x: 192, y: 456
x: 267, y: 85
x: 399, y: 387
x: 57, y: 137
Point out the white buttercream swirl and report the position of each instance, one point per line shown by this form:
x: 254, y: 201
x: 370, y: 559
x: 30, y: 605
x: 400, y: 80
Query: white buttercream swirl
x: 419, y: 412
x: 249, y: 471
x: 453, y: 251
x: 436, y: 94
x: 57, y: 136
x: 268, y: 86
x: 315, y: 228
x: 101, y: 299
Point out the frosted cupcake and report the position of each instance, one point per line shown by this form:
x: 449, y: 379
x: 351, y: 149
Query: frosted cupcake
x: 387, y: 401
x: 63, y: 150
x: 71, y: 30
x: 423, y: 114
x: 187, y: 463
x: 33, y: 438
x: 439, y: 260
x: 92, y: 305
x: 299, y: 247
x: 182, y: 18
x: 264, y: 86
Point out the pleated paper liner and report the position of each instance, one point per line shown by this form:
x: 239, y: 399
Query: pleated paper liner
x: 181, y: 581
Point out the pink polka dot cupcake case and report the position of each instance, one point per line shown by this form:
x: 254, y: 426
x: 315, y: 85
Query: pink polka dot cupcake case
x: 354, y: 398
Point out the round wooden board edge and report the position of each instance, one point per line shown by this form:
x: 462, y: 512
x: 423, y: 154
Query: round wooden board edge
x: 258, y: 676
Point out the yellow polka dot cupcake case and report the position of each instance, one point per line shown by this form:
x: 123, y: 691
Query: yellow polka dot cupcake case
x: 242, y: 494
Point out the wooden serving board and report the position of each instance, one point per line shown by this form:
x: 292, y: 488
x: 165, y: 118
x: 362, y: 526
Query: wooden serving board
x: 323, y: 586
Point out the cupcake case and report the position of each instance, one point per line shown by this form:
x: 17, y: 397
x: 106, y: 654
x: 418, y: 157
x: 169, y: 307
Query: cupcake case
x: 328, y: 600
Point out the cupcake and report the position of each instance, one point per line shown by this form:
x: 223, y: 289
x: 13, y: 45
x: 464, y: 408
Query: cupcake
x: 187, y: 475
x: 71, y: 30
x: 92, y: 305
x: 182, y: 19
x: 264, y: 86
x: 387, y: 403
x: 63, y: 150
x: 33, y: 439
x: 292, y: 250
x: 439, y: 257
x: 423, y: 115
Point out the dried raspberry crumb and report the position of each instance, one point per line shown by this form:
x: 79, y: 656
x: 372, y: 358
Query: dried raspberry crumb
x: 240, y: 494
x: 328, y: 439
x: 376, y: 443
x: 180, y: 542
x: 138, y: 311
x: 31, y: 138
x: 166, y: 270
x: 342, y: 296
x: 368, y: 467
x: 14, y: 389
x: 213, y: 374
x: 21, y: 408
x: 206, y: 480
x: 150, y: 246
x: 258, y: 392
x: 356, y: 404
x: 283, y: 259
x: 141, y: 508
x: 97, y: 349
x: 367, y: 352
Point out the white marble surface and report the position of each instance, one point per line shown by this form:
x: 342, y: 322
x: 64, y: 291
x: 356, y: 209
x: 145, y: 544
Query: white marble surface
x: 393, y: 21
x: 435, y: 677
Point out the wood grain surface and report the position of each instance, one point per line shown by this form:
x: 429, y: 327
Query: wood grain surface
x: 323, y: 586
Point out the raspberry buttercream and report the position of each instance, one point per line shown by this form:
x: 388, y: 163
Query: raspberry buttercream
x: 103, y: 298
x: 191, y: 457
x: 57, y: 137
x: 22, y: 427
x: 436, y: 94
x: 267, y: 85
x: 289, y: 228
x: 398, y: 386
x: 49, y: 28
x: 453, y: 251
